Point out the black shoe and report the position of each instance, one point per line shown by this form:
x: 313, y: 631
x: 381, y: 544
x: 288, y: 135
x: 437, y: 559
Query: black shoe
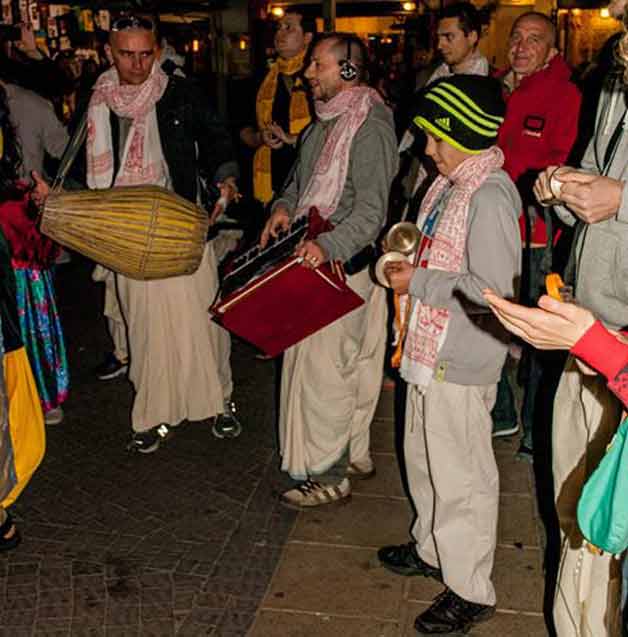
x: 451, y: 614
x: 110, y: 368
x: 148, y: 441
x: 9, y: 543
x: 404, y: 560
x: 226, y: 425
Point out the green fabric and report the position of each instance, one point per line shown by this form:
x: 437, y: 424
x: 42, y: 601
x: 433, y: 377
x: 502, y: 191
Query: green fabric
x: 603, y: 505
x: 8, y: 300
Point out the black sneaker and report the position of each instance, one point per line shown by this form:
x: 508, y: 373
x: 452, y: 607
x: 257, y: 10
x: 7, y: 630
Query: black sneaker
x: 148, y: 441
x: 404, y: 560
x: 226, y: 425
x: 451, y: 614
x: 110, y: 368
x: 525, y: 453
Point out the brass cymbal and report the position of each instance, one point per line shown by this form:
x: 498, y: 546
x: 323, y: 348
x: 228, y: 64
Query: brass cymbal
x: 386, y: 258
x: 403, y: 237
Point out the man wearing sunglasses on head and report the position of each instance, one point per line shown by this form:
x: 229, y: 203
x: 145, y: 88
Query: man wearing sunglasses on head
x: 145, y: 128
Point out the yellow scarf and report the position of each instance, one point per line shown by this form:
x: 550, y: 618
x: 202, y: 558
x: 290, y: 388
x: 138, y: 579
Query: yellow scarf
x: 299, y: 119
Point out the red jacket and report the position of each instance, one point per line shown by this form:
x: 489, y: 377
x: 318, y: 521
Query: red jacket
x: 540, y: 125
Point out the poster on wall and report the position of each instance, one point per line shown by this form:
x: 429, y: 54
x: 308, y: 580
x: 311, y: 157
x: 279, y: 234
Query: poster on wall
x: 7, y: 12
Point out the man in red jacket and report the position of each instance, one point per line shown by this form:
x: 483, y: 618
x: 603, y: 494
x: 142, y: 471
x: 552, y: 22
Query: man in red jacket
x: 539, y: 130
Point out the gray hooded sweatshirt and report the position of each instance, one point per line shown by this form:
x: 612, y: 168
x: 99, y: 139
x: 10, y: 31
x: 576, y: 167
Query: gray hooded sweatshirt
x: 602, y: 248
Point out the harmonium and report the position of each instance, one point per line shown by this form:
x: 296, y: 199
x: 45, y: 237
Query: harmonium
x: 271, y: 300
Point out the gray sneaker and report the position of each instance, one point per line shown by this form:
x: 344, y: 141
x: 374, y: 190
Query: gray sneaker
x: 226, y: 425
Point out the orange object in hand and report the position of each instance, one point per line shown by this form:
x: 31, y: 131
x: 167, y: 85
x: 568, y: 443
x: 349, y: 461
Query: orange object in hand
x: 557, y: 289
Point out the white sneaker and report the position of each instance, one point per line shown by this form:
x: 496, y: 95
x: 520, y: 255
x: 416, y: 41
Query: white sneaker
x: 312, y: 494
x: 54, y: 416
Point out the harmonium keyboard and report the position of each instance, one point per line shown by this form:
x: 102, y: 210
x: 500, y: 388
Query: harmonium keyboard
x: 271, y: 300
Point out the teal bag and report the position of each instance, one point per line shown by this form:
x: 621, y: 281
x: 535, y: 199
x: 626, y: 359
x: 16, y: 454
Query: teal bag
x: 603, y: 504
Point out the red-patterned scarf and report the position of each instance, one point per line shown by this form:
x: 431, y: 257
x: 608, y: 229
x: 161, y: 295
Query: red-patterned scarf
x: 142, y: 158
x: 327, y: 182
x: 427, y: 328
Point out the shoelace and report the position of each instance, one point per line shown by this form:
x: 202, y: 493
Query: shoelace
x: 308, y: 486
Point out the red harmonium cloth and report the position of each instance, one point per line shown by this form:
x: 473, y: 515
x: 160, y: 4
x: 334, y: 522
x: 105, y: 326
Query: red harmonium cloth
x: 285, y: 305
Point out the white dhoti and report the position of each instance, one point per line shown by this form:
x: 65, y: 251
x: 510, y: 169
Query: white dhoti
x: 173, y: 363
x: 586, y: 415
x: 330, y: 386
x: 224, y: 243
x: 112, y: 312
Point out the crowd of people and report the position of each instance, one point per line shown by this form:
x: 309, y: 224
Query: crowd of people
x: 481, y: 169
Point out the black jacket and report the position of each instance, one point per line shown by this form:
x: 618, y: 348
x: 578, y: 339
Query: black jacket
x: 192, y: 135
x: 187, y: 124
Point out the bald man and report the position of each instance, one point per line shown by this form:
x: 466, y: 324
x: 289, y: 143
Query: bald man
x: 539, y: 130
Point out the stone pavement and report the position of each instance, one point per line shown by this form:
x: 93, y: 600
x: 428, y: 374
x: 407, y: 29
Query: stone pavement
x: 186, y: 541
x: 329, y: 583
x: 183, y: 541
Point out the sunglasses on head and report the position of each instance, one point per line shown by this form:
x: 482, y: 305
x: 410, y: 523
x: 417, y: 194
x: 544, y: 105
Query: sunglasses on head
x: 126, y: 22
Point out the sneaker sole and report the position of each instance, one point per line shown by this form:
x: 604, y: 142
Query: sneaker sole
x: 487, y: 614
x: 111, y: 375
x: 222, y: 436
x: 299, y: 507
x: 410, y: 572
x: 502, y: 433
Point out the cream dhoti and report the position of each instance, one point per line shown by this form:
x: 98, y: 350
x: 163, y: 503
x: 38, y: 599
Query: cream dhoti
x: 173, y: 364
x: 330, y: 387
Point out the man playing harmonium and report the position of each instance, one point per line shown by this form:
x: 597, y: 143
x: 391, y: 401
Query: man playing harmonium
x: 146, y: 128
x: 331, y: 380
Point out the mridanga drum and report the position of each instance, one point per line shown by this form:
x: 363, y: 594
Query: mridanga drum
x: 143, y: 232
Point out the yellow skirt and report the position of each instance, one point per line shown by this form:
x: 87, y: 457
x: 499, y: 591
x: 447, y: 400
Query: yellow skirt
x: 26, y: 420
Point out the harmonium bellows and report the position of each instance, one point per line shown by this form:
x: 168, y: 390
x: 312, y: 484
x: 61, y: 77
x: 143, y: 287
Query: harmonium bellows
x: 271, y: 300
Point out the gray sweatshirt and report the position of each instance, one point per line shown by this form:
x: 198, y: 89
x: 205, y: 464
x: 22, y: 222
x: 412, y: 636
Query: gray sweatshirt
x: 362, y: 209
x: 602, y: 248
x: 37, y: 127
x: 475, y: 347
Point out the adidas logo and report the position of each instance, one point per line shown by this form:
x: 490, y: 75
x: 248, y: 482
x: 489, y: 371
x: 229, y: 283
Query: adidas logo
x: 444, y: 123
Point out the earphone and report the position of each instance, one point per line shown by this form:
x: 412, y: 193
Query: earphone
x: 348, y: 70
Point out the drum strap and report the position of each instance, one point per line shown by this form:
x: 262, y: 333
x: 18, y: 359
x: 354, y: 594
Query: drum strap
x: 70, y: 153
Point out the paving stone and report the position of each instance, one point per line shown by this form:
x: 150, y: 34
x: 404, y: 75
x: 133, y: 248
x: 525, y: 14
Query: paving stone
x: 515, y: 476
x: 516, y: 522
x: 333, y: 580
x: 518, y: 579
x: 387, y: 481
x: 364, y: 521
x: 282, y: 624
x: 383, y: 436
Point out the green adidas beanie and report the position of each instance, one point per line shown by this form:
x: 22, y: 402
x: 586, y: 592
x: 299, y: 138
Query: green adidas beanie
x: 464, y: 110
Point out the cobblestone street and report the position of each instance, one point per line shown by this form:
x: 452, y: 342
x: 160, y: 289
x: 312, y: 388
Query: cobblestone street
x: 191, y: 540
x: 181, y: 541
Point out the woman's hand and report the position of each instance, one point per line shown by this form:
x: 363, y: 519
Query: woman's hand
x: 399, y: 273
x: 552, y: 325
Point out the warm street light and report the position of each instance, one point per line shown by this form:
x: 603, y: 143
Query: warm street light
x: 604, y: 13
x: 196, y: 45
x: 278, y: 12
x: 409, y: 6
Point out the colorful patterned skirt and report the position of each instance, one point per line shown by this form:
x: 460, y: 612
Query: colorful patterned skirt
x: 42, y: 334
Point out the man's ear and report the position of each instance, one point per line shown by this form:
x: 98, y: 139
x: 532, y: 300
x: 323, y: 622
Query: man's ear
x: 109, y: 54
x: 476, y: 38
x: 307, y: 38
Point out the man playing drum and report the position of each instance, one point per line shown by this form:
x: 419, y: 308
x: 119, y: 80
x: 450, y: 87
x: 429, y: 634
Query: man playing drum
x: 146, y: 128
x: 331, y: 380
